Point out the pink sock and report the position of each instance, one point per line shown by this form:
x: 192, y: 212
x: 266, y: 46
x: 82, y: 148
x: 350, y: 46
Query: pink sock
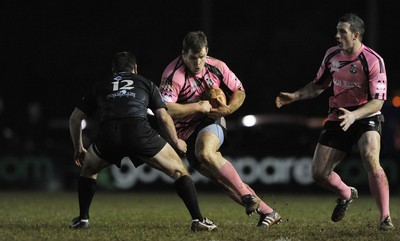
x: 379, y: 187
x: 335, y: 184
x: 228, y: 175
x: 264, y: 208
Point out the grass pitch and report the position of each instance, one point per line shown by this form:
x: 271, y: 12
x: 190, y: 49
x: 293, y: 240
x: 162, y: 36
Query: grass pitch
x: 162, y: 216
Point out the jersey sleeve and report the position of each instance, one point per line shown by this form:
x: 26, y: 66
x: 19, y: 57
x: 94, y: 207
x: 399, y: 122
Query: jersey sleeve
x: 323, y: 77
x: 156, y: 102
x: 230, y: 79
x: 378, y: 80
x: 171, y: 83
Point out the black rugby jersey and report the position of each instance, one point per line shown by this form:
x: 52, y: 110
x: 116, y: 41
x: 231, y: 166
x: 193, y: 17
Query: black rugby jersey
x: 125, y: 95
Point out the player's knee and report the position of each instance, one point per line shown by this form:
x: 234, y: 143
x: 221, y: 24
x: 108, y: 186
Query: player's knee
x: 179, y: 173
x: 91, y: 167
x: 370, y: 154
x: 89, y: 171
x: 204, y: 157
x: 178, y: 170
x: 372, y: 165
x: 319, y: 177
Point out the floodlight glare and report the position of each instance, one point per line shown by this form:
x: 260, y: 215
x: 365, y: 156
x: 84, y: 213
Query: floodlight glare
x: 249, y: 120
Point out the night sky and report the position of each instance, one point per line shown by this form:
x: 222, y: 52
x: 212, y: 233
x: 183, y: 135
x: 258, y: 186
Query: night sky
x: 53, y: 51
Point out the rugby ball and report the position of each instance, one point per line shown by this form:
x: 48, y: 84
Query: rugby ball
x: 215, y: 93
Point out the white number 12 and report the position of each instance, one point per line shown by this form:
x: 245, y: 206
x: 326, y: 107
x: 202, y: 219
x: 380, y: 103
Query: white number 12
x: 126, y: 86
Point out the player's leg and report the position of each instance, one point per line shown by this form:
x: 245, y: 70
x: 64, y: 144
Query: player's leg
x: 263, y: 207
x: 212, y: 164
x: 369, y: 146
x: 229, y: 191
x: 324, y: 161
x: 92, y: 165
x: 168, y: 161
x: 253, y: 200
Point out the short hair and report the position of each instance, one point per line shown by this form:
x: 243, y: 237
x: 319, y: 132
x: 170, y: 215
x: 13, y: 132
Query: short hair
x: 194, y: 41
x: 356, y: 23
x: 124, y: 61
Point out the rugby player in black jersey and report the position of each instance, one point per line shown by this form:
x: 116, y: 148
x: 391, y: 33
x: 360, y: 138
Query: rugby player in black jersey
x: 120, y: 103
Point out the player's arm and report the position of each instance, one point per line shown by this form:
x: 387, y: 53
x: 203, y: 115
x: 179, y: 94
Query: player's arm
x: 311, y: 90
x: 168, y: 130
x: 76, y: 135
x: 238, y: 96
x: 177, y: 110
x: 235, y: 102
x: 348, y: 117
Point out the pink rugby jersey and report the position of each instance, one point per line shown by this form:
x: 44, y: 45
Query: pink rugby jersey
x: 179, y: 86
x: 356, y: 78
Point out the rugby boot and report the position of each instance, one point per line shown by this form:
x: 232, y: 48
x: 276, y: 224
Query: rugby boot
x: 343, y: 205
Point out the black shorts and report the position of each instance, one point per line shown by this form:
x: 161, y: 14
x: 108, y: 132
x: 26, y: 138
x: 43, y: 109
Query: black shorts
x: 131, y: 137
x: 191, y: 141
x: 333, y: 136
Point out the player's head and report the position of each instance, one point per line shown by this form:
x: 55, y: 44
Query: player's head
x: 349, y: 32
x: 356, y: 23
x: 194, y: 51
x: 124, y: 62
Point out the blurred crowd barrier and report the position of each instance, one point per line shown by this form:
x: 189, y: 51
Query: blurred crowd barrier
x: 56, y: 171
x: 273, y: 154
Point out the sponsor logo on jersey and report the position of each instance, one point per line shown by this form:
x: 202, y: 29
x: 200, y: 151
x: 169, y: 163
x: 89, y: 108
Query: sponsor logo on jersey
x: 335, y: 66
x: 122, y: 93
x: 353, y: 68
x: 346, y: 83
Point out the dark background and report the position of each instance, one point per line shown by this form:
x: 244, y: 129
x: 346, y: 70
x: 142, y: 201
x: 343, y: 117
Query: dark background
x: 51, y: 51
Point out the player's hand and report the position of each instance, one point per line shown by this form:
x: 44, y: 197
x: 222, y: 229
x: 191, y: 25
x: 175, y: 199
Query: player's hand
x: 285, y: 98
x: 181, y: 146
x: 347, y: 118
x: 204, y: 106
x: 79, y: 157
x: 222, y: 110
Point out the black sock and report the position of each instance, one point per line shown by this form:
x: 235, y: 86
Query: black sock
x: 86, y: 189
x: 187, y: 192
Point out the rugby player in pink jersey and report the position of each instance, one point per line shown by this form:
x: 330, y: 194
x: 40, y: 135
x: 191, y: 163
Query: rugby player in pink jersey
x: 358, y: 76
x: 184, y: 82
